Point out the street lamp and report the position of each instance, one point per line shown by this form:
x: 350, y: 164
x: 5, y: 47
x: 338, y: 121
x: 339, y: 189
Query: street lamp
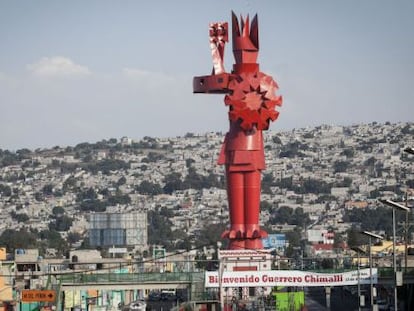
x: 358, y: 250
x: 410, y: 151
x: 394, y: 206
x: 378, y: 237
x: 220, y: 275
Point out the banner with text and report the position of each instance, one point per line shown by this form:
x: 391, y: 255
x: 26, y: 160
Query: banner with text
x: 289, y: 278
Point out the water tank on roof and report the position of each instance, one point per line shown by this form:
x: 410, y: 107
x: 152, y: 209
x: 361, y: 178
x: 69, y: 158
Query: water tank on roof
x: 20, y: 251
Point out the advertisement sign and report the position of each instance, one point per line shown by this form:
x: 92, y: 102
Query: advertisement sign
x: 289, y: 278
x: 275, y: 241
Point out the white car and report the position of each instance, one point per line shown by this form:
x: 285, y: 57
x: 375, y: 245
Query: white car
x: 137, y: 305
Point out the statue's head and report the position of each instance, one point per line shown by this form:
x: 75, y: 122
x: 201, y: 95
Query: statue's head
x: 245, y: 39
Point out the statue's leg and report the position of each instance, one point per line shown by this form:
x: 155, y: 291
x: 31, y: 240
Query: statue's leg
x: 235, y: 194
x: 252, y: 203
x: 252, y: 211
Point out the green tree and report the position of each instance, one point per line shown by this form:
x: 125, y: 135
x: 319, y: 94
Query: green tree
x: 58, y: 211
x: 21, y: 217
x: 47, y: 189
x: 121, y: 181
x: 267, y: 183
x: 61, y: 223
x: 281, y: 215
x: 348, y: 152
x: 173, y: 182
x: 189, y: 162
x: 266, y: 206
x: 201, y: 260
x: 294, y: 240
x: 353, y: 237
x: 14, y: 239
x: 300, y: 218
x: 159, y: 229
x: 119, y: 198
x: 148, y: 188
x: 73, y: 237
x: 88, y: 195
x: 340, y: 166
x: 5, y: 190
x: 92, y: 206
x: 53, y: 239
x: 210, y: 234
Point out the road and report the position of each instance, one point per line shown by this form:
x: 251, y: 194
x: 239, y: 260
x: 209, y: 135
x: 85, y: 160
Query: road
x: 341, y: 300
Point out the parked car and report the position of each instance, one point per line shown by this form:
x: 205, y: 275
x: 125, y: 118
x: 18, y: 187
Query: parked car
x: 137, y: 305
x: 154, y: 296
x: 383, y: 304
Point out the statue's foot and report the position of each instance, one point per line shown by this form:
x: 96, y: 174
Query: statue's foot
x: 232, y: 234
x: 235, y: 232
x: 254, y: 232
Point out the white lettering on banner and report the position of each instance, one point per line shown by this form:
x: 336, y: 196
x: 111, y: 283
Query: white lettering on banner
x: 289, y: 278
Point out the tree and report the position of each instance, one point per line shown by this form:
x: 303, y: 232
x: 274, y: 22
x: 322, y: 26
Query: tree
x: 267, y: 183
x: 281, y: 215
x: 73, y: 237
x: 53, y: 239
x: 285, y: 183
x: 327, y: 263
x: 121, y: 181
x: 372, y: 219
x: 58, y: 211
x: 276, y: 140
x: 353, y: 237
x: 13, y: 239
x: 348, y: 152
x: 201, y: 260
x: 47, y: 189
x: 92, y: 206
x: 209, y: 234
x: 5, y: 190
x: 61, y: 223
x: 159, y: 229
x: 89, y: 194
x: 148, y: 188
x: 294, y: 238
x: 316, y: 186
x: 172, y: 182
x: 266, y: 206
x: 340, y: 166
x: 300, y: 218
x: 338, y: 241
x: 22, y: 217
x: 119, y: 198
x: 189, y: 162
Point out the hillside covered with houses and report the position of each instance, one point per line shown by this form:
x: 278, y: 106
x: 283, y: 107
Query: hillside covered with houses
x: 324, y: 179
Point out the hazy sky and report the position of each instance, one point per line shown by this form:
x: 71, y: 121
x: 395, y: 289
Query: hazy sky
x: 83, y: 71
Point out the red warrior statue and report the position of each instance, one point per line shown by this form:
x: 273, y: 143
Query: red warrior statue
x: 251, y: 97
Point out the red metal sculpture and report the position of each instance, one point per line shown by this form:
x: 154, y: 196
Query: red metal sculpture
x: 251, y: 97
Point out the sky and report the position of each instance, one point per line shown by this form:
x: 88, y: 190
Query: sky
x: 83, y: 71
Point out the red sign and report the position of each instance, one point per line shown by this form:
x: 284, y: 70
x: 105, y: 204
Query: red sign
x: 31, y: 295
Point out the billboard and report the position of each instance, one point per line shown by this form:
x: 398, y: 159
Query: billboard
x: 275, y: 241
x: 289, y: 278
